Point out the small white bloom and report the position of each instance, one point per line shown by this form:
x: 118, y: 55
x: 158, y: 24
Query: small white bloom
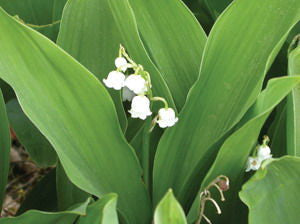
x: 253, y: 163
x: 166, y: 117
x: 122, y: 63
x: 140, y: 107
x: 115, y: 80
x: 136, y: 83
x: 264, y: 152
x: 127, y: 94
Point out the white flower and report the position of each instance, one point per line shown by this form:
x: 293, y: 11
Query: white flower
x: 140, y: 107
x: 127, y: 94
x: 166, y: 117
x: 136, y: 83
x: 264, y: 152
x: 115, y: 80
x: 253, y: 163
x: 122, y: 63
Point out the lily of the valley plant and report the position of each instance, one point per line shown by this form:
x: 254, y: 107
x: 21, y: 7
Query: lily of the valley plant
x: 150, y: 112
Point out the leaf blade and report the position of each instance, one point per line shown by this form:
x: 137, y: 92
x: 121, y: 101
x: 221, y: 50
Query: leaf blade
x: 76, y: 119
x: 181, y: 157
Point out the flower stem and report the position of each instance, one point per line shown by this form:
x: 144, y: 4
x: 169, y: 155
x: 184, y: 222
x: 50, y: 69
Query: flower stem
x: 157, y: 98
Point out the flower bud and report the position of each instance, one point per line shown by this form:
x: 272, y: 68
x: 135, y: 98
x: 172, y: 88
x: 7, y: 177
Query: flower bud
x: 136, y: 83
x: 115, y: 80
x: 253, y: 163
x: 121, y: 63
x: 166, y: 117
x: 140, y: 107
x: 264, y: 152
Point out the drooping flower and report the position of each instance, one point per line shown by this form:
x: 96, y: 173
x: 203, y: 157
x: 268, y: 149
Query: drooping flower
x: 115, y: 80
x: 127, y: 94
x: 136, y: 83
x: 121, y: 63
x: 253, y: 163
x: 264, y: 152
x: 166, y: 117
x: 140, y: 107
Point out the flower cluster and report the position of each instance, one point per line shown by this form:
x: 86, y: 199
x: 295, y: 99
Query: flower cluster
x: 263, y: 152
x: 135, y: 84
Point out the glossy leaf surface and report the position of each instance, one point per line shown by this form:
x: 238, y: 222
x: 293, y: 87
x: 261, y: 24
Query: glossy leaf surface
x: 293, y: 106
x: 76, y: 114
x: 231, y: 76
x: 175, y: 41
x: 274, y: 188
x: 169, y: 211
x: 232, y: 157
x: 102, y: 211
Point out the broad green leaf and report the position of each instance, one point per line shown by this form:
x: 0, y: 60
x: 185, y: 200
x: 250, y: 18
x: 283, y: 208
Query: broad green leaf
x: 102, y: 211
x: 42, y: 196
x: 278, y: 132
x: 272, y: 194
x: 216, y: 7
x: 293, y: 107
x: 176, y: 30
x: 38, y: 147
x: 67, y: 193
x: 232, y: 70
x: 132, y: 41
x: 43, y: 16
x: 35, y: 11
x: 201, y: 12
x: 169, y: 211
x: 76, y: 114
x: 88, y: 32
x: 4, y: 148
x: 232, y: 157
x: 35, y: 216
x: 48, y: 30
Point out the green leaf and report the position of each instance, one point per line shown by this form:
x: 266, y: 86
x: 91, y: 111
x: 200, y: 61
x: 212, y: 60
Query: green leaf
x: 38, y: 147
x: 35, y: 11
x: 4, y: 148
x: 43, y: 16
x: 42, y: 196
x: 76, y: 114
x: 169, y: 211
x: 272, y: 194
x: 35, y: 216
x: 93, y: 39
x: 293, y: 107
x: 216, y: 7
x: 232, y: 70
x: 102, y: 211
x: 7, y: 91
x: 132, y: 41
x: 48, y: 30
x: 67, y: 193
x: 278, y: 132
x: 201, y: 12
x: 176, y: 30
x: 232, y: 157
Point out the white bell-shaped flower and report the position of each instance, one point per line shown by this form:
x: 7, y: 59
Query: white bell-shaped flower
x: 253, y: 163
x: 140, y: 107
x: 264, y: 152
x: 136, y: 83
x: 127, y: 94
x: 121, y: 63
x: 115, y: 80
x: 166, y: 117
